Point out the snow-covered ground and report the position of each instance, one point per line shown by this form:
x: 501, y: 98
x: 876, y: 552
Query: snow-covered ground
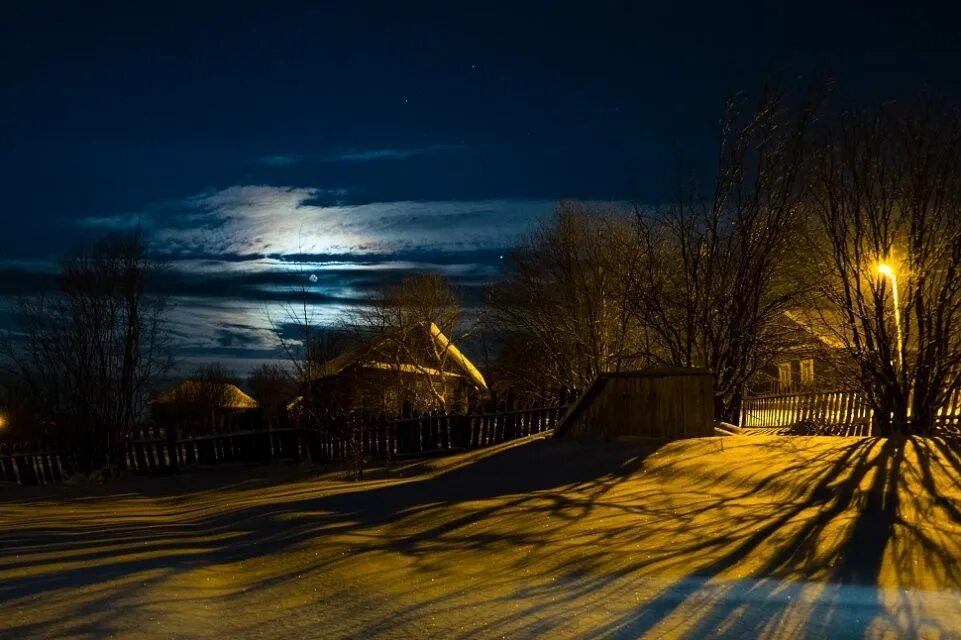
x: 774, y: 537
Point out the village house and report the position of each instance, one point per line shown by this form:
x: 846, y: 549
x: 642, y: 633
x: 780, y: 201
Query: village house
x: 421, y: 371
x: 811, y: 358
x: 203, y: 406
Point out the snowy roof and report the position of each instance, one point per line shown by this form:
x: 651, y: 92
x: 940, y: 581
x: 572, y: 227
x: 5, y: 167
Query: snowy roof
x: 824, y: 325
x: 234, y: 397
x: 458, y: 357
x: 358, y: 356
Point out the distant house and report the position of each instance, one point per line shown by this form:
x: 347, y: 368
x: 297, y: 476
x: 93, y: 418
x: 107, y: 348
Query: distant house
x: 419, y: 372
x: 203, y: 405
x: 812, y: 359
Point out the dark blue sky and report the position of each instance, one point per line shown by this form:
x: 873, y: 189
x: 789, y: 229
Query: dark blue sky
x: 390, y: 136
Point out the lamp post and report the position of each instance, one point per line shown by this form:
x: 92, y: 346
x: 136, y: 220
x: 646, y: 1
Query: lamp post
x: 888, y: 272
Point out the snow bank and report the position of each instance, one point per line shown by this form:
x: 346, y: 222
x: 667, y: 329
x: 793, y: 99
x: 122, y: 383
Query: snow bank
x: 769, y: 537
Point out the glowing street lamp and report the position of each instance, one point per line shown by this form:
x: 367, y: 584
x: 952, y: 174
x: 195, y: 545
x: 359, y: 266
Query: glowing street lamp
x: 888, y: 272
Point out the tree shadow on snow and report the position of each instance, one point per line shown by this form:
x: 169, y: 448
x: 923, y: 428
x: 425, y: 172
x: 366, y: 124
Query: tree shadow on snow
x: 734, y: 554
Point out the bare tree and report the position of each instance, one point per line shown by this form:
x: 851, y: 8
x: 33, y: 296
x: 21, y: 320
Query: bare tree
x: 272, y: 386
x: 303, y: 342
x: 90, y: 354
x: 562, y: 308
x: 886, y: 197
x: 413, y: 327
x: 714, y: 287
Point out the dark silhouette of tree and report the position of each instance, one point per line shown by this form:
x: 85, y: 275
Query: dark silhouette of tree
x: 89, y: 355
x: 562, y: 308
x: 303, y: 342
x: 398, y: 325
x: 272, y: 386
x: 714, y: 286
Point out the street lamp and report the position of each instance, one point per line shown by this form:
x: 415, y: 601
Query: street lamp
x: 888, y: 272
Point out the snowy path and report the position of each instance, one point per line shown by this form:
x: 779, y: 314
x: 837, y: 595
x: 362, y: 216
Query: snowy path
x: 769, y: 537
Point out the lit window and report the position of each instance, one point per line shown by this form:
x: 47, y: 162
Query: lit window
x: 807, y: 372
x: 784, y: 375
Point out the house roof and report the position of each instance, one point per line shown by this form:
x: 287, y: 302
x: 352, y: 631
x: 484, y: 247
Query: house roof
x: 458, y: 357
x: 234, y: 397
x: 831, y: 328
x: 821, y: 324
x: 465, y: 368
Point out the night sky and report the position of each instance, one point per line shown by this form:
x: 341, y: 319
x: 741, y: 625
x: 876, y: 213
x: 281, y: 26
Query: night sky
x: 377, y: 139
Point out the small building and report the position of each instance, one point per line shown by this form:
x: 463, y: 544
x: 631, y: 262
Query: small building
x: 421, y: 372
x: 204, y: 406
x: 665, y: 403
x: 811, y: 360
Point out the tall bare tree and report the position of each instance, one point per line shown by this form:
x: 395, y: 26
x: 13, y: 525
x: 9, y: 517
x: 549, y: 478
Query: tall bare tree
x: 413, y: 326
x: 272, y: 386
x: 886, y: 190
x: 303, y: 340
x: 562, y: 307
x: 713, y: 289
x: 90, y: 354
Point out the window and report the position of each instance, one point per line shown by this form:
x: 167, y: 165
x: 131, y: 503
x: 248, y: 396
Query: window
x: 784, y: 375
x: 807, y: 372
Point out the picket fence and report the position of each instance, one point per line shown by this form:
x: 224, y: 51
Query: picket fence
x: 152, y: 450
x: 829, y: 413
x: 29, y: 463
x: 789, y: 409
x: 427, y: 434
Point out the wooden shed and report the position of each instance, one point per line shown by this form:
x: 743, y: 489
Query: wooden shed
x: 668, y: 403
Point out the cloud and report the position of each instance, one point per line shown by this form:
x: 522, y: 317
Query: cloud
x: 123, y: 222
x: 252, y: 220
x: 377, y: 154
x: 25, y: 277
x: 361, y: 155
x: 398, y: 154
x: 279, y: 160
x: 238, y: 256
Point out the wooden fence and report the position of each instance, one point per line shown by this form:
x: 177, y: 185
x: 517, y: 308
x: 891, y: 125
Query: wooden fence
x: 427, y: 434
x: 829, y: 413
x: 154, y: 450
x: 790, y: 409
x: 29, y: 463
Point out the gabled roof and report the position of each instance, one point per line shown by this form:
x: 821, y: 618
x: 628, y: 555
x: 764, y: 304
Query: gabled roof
x: 360, y: 356
x: 832, y: 329
x: 234, y: 397
x: 821, y: 324
x: 457, y: 356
